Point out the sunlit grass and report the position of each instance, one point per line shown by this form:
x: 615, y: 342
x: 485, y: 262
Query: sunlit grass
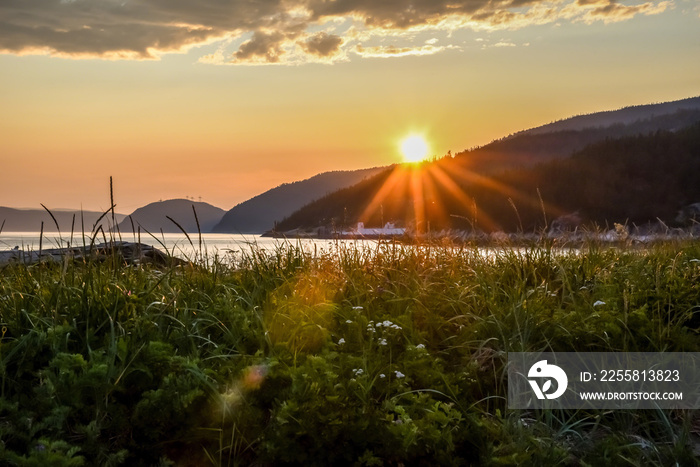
x: 390, y: 354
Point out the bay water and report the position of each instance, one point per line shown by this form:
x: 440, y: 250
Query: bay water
x: 176, y: 244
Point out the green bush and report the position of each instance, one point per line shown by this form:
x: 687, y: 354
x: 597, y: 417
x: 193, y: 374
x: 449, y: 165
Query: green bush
x: 390, y: 356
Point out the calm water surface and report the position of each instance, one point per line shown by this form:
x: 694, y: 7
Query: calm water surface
x: 218, y: 245
x: 176, y: 243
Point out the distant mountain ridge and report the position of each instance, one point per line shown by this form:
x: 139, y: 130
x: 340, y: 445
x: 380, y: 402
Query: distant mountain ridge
x: 29, y: 220
x: 258, y: 214
x: 154, y: 217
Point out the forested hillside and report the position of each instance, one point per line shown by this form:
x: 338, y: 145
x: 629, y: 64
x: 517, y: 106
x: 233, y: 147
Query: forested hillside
x: 535, y: 146
x: 625, y: 116
x: 634, y: 179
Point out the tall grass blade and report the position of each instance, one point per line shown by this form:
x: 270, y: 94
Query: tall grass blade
x: 199, y: 229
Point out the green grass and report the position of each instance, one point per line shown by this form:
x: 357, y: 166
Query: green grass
x: 385, y: 356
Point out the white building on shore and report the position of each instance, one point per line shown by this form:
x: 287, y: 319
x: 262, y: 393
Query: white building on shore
x: 389, y: 230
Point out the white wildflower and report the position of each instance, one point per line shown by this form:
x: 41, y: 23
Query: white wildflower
x: 599, y: 303
x: 382, y: 376
x: 399, y: 374
x: 357, y: 308
x: 420, y: 346
x: 382, y: 341
x: 379, y: 325
x: 341, y: 341
x: 358, y: 371
x: 348, y: 321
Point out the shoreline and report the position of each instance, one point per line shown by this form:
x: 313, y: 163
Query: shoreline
x: 612, y: 236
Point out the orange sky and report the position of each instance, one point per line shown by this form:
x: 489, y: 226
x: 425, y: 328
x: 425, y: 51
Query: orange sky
x: 227, y: 104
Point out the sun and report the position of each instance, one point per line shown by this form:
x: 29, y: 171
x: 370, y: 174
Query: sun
x: 414, y: 148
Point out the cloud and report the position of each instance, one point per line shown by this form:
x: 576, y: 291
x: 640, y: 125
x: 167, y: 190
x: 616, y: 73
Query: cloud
x: 323, y: 44
x: 610, y: 11
x: 262, y: 47
x: 276, y: 31
x: 394, y: 51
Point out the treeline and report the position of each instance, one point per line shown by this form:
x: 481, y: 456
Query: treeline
x: 528, y: 148
x: 635, y: 179
x: 626, y: 115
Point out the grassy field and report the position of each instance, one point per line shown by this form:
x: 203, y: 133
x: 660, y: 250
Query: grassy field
x: 391, y: 356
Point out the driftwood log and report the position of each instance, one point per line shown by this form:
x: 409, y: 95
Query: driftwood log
x: 130, y: 253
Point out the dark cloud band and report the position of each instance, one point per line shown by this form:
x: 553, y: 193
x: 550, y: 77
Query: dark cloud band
x: 283, y: 31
